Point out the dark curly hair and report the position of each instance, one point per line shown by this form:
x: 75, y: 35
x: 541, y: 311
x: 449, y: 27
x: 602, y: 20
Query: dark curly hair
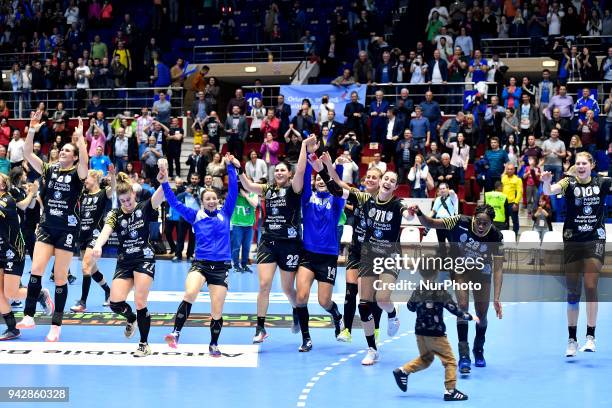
x: 485, y: 209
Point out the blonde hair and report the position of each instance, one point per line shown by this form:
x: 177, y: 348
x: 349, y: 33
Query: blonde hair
x: 124, y: 184
x: 96, y: 174
x: 7, y: 181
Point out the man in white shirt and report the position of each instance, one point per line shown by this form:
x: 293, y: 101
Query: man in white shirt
x: 554, y: 19
x: 350, y: 171
x: 82, y: 73
x: 324, y: 108
x: 380, y: 165
x: 15, y: 149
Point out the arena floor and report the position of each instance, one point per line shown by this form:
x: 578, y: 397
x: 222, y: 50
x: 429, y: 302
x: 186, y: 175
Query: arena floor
x: 524, y: 351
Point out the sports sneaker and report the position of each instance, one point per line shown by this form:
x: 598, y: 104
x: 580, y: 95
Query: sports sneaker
x: 16, y: 304
x: 143, y: 350
x: 247, y: 269
x: 572, y: 348
x: 260, y: 335
x: 296, y: 323
x: 71, y: 278
x: 54, y: 334
x: 589, y: 346
x: 172, y: 339
x: 339, y: 326
x: 377, y: 336
x: 371, y: 357
x: 26, y: 323
x: 214, y: 351
x: 479, y: 360
x: 106, y: 300
x: 465, y: 365
x: 79, y: 307
x: 393, y: 326
x: 10, y: 334
x: 306, y: 346
x: 401, y: 379
x: 46, y: 301
x: 454, y: 395
x: 130, y: 329
x: 345, y: 336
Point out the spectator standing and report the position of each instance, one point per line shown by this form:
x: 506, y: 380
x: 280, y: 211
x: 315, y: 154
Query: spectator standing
x: 174, y: 140
x: 197, y: 163
x: 511, y: 95
x: 282, y: 111
x: 5, y: 164
x: 96, y: 137
x: 238, y: 100
x: 513, y: 189
x: 564, y: 102
x: 100, y: 161
x: 211, y: 94
x: 120, y: 150
x: 236, y: 129
x: 241, y: 235
x: 553, y: 150
x: 15, y: 149
x: 356, y: 117
x: 216, y: 169
x: 417, y: 176
x: 497, y: 159
x: 378, y: 113
x: 271, y: 124
x: 419, y: 126
x: 162, y: 109
x: 199, y: 108
x: 150, y: 157
x: 269, y: 151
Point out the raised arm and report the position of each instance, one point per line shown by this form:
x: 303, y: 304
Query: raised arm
x: 32, y: 190
x: 547, y: 188
x: 83, y: 165
x: 250, y: 186
x: 232, y: 195
x: 308, y: 146
x: 189, y: 214
x: 307, y: 190
x: 426, y: 221
x: 162, y: 176
x: 110, y: 190
x: 28, y: 147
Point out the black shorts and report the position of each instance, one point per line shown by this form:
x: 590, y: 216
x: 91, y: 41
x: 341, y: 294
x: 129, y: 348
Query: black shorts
x: 86, y: 243
x: 60, y: 239
x: 11, y: 261
x: 354, y: 258
x: 369, y: 265
x: 578, y: 251
x: 215, y: 272
x: 286, y: 254
x: 322, y: 265
x: 126, y: 270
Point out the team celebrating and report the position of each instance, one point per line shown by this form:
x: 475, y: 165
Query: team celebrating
x: 73, y: 218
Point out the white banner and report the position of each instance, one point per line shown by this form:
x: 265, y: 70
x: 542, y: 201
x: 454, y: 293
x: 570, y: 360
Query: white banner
x: 120, y: 354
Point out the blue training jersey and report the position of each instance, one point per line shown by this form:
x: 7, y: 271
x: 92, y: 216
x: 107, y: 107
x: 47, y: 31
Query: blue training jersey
x: 321, y: 213
x: 212, y: 229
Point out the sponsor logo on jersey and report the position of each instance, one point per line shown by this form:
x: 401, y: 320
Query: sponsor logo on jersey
x: 587, y: 210
x: 274, y: 211
x: 57, y: 195
x: 124, y: 223
x: 601, y: 233
x: 10, y: 254
x: 138, y: 213
x: 378, y: 234
x: 133, y: 234
x: 596, y: 190
x: 463, y: 237
x: 585, y: 228
x: 291, y: 232
x: 72, y: 220
x: 56, y: 212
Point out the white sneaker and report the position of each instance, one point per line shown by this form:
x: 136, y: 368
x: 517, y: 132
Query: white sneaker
x: 47, y: 302
x: 26, y: 323
x: 130, y: 329
x: 572, y: 348
x: 143, y: 350
x: 589, y: 346
x: 393, y: 326
x: 371, y: 357
x: 54, y: 334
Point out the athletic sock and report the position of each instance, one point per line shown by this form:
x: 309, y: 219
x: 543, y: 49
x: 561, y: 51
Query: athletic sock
x: 123, y: 309
x: 61, y: 295
x: 350, y: 305
x: 572, y: 332
x: 9, y: 319
x: 392, y: 314
x: 303, y: 317
x: 333, y: 310
x: 182, y: 314
x: 462, y: 330
x: 479, y: 340
x: 144, y: 324
x: 85, y: 288
x: 34, y: 288
x: 215, y: 330
x: 261, y: 321
x: 377, y: 313
x: 591, y: 331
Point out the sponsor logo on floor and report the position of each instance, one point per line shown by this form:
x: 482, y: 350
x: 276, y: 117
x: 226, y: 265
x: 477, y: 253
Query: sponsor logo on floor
x: 195, y: 320
x: 121, y: 354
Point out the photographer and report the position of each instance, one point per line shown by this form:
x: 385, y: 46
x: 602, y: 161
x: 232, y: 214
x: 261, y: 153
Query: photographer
x: 191, y: 198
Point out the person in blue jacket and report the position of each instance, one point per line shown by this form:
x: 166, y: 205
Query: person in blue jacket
x: 321, y: 212
x: 212, y: 253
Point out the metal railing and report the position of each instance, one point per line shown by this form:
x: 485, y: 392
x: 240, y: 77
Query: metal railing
x: 23, y: 58
x: 114, y: 101
x: 535, y: 47
x: 217, y: 54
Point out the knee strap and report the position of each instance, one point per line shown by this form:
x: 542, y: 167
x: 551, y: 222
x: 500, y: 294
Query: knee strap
x: 573, y: 298
x: 118, y: 307
x: 365, y: 312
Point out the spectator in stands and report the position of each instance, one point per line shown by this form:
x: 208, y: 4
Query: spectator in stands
x: 478, y: 67
x: 4, y: 110
x: 464, y: 41
x: 575, y: 147
x: 60, y: 113
x: 442, y: 35
x: 199, y: 108
x: 553, y: 18
x: 238, y: 100
x: 588, y: 62
x: 270, y: 124
x: 125, y: 57
x: 120, y: 150
x: 282, y: 111
x: 99, y: 49
x: 605, y: 70
x: 445, y: 172
x: 585, y: 104
x: 433, y: 27
x: 95, y: 106
x: 356, y: 116
x: 216, y: 169
x: 16, y: 78
x: 211, y: 93
x: 350, y: 143
x: 15, y: 149
x: 417, y: 177
x: 513, y: 190
x: 544, y: 93
x: 405, y: 153
x: 513, y: 150
x: 564, y: 102
x: 345, y: 79
x: 237, y: 130
x: 431, y: 111
x: 362, y: 69
x: 573, y: 65
x: 176, y: 73
x: 404, y: 105
x: 198, y: 82
x: 162, y: 109
x: 401, y: 69
x: 438, y: 69
x: 419, y: 126
x: 161, y: 73
x: 257, y: 115
x: 380, y: 165
x: 5, y: 164
x: 255, y: 168
x: 191, y: 199
x: 441, y: 10
x: 418, y: 70
x: 336, y: 130
x: 384, y: 72
x: 494, y: 115
x: 378, y: 113
x: 527, y: 88
x: 608, y: 112
x: 5, y: 132
x: 553, y: 150
x: 269, y: 151
x: 511, y: 95
x: 197, y: 162
x: 119, y: 72
x: 433, y: 157
x: 531, y: 180
x: 532, y: 150
x: 394, y: 129
x: 497, y: 159
x: 589, y: 132
x: 451, y: 128
x: 446, y: 50
x: 213, y: 128
x: 528, y: 119
x: 95, y: 136
x: 173, y: 142
x: 594, y: 25
x: 460, y: 156
x: 363, y: 30
x: 559, y: 123
x: 303, y: 122
x: 324, y: 108
x: 100, y: 161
